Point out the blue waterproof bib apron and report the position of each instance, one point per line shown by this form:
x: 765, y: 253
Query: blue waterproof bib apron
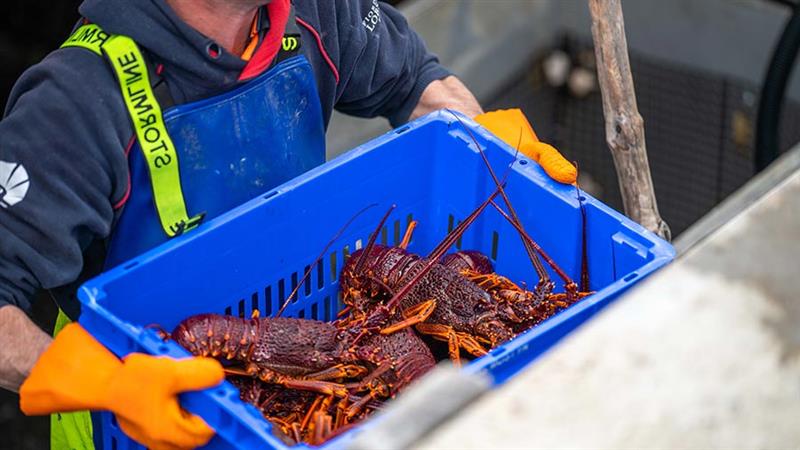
x: 230, y: 148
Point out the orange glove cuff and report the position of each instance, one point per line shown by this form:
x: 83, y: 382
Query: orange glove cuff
x: 75, y: 362
x: 77, y: 373
x: 510, y: 125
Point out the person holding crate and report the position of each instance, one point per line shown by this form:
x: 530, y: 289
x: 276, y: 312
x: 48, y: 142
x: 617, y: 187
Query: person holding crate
x: 157, y: 115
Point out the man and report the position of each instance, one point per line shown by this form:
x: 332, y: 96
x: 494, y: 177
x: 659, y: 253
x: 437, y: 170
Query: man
x: 154, y: 116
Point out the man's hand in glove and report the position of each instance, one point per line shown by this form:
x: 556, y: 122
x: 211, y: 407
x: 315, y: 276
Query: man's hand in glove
x: 513, y: 127
x: 77, y: 373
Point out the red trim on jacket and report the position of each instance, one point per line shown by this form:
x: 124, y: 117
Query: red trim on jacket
x: 127, y: 195
x: 278, y: 16
x: 321, y: 48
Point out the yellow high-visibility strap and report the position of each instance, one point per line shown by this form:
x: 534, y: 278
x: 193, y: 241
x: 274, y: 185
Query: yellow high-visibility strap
x: 151, y: 132
x: 91, y: 37
x: 148, y: 122
x: 72, y: 430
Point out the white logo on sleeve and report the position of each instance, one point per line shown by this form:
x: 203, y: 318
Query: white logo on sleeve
x: 13, y: 183
x: 373, y: 17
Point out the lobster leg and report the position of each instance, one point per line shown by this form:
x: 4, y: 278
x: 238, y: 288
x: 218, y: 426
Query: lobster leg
x: 327, y: 426
x: 447, y: 334
x: 566, y: 298
x: 359, y: 405
x: 297, y: 432
x: 336, y: 372
x: 409, y: 233
x: 314, y: 408
x: 377, y: 389
x: 337, y: 431
x: 236, y: 371
x: 344, y: 312
x: 414, y: 315
x: 321, y: 411
x: 470, y: 344
x: 322, y: 428
x: 267, y: 401
x: 285, y: 428
x: 455, y: 340
x: 369, y: 382
x: 491, y: 281
x: 321, y: 387
x: 341, y: 418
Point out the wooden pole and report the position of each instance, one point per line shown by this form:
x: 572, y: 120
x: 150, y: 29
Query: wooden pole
x: 624, y: 124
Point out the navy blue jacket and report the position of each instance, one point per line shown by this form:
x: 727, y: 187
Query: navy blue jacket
x: 66, y: 128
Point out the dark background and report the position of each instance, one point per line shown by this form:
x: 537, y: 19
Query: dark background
x: 29, y: 30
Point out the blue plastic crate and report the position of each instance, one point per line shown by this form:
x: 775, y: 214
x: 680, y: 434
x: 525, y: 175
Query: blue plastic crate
x: 252, y: 257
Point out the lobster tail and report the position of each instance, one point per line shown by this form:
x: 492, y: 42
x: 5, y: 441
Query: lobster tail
x: 217, y: 335
x: 413, y: 366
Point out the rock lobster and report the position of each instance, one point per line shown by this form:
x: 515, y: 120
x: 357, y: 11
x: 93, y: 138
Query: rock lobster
x: 523, y: 308
x: 438, y: 294
x: 317, y: 359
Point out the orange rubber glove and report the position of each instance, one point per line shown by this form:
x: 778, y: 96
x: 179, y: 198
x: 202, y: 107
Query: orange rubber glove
x: 77, y: 373
x: 509, y: 124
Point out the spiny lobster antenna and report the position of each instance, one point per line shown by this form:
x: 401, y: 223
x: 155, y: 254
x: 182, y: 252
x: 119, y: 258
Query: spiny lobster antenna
x: 319, y: 258
x: 460, y: 229
x: 537, y: 264
x: 584, y: 251
x: 363, y: 258
x: 437, y: 253
x: 563, y: 275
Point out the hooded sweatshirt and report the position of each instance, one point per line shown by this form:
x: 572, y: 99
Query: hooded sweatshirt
x: 64, y: 172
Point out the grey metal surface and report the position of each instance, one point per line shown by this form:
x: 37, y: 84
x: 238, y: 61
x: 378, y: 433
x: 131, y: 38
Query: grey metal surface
x: 431, y: 401
x: 705, y: 354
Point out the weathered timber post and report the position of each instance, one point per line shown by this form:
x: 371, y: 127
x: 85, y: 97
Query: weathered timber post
x: 624, y: 124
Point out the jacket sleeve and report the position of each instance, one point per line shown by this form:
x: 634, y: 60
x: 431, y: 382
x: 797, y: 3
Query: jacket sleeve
x: 62, y: 137
x: 384, y: 64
